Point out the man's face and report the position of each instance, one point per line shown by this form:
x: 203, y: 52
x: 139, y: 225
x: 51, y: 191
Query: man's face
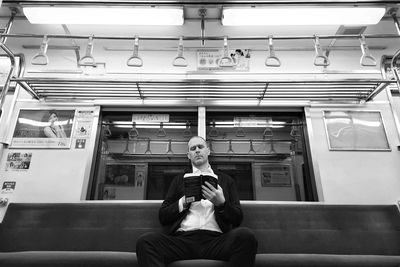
x: 198, y: 151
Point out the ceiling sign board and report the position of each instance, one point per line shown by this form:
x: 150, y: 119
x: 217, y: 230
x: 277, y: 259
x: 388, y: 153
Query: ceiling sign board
x: 252, y: 122
x: 150, y: 118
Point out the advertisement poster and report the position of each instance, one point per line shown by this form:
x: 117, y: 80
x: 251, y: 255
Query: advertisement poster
x: 17, y: 161
x: 276, y: 175
x: 208, y: 59
x: 8, y: 187
x: 43, y: 129
x: 123, y: 181
x: 120, y: 174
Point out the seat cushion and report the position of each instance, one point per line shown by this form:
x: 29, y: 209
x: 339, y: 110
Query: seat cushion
x: 199, y: 263
x: 325, y: 260
x: 68, y: 259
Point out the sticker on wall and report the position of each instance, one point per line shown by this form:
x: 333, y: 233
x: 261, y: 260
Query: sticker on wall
x: 8, y: 187
x: 84, y: 122
x: 17, y: 161
x: 83, y: 129
x: 80, y: 143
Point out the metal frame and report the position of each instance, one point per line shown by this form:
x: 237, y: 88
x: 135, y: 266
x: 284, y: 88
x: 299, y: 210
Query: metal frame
x: 354, y: 148
x: 199, y: 2
x: 205, y: 91
x: 197, y: 89
x: 199, y: 38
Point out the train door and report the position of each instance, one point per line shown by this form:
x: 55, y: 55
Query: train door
x: 141, y: 151
x: 272, y: 144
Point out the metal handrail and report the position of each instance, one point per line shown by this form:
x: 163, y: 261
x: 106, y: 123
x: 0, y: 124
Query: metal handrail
x: 10, y: 73
x: 209, y: 88
x: 198, y: 38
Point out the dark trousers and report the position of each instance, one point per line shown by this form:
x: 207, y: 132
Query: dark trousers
x: 238, y: 247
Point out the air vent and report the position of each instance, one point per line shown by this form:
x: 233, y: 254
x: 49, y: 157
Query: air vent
x: 348, y: 30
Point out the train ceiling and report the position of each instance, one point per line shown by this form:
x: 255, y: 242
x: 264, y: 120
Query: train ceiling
x: 202, y: 28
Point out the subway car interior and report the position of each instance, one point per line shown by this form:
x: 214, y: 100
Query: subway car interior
x: 298, y: 101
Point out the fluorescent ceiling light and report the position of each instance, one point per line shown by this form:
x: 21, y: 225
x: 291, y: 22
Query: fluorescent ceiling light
x: 149, y: 125
x: 104, y: 15
x: 302, y: 16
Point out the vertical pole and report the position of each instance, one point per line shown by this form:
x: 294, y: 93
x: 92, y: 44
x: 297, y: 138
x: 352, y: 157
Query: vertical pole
x: 10, y: 73
x: 6, y: 85
x: 201, y: 125
x: 393, y: 13
x: 10, y: 55
x: 8, y: 26
x: 202, y: 14
x: 5, y: 89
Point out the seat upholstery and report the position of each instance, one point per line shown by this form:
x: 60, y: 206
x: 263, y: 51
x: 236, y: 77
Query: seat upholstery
x: 105, y: 234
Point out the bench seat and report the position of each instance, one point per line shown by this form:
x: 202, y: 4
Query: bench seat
x: 102, y: 234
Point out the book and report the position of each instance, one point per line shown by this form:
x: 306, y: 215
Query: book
x: 192, y: 185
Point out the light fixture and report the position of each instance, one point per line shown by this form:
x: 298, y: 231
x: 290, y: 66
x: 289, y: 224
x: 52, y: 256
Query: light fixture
x: 149, y: 125
x: 292, y: 15
x: 104, y: 15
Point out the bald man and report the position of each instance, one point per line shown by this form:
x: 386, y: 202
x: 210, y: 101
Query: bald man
x: 205, y: 229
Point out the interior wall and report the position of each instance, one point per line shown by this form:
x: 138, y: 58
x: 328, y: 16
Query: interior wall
x: 356, y: 177
x: 54, y: 175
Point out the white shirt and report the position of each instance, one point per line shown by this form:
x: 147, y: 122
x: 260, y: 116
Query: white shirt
x: 201, y: 213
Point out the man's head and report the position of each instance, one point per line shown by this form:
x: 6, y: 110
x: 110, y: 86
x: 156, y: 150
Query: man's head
x: 198, y: 151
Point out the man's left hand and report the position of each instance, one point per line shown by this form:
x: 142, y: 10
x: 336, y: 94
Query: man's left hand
x: 215, y: 195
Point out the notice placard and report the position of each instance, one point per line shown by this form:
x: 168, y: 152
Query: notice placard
x: 8, y: 187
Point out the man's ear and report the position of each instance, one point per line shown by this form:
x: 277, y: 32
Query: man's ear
x: 188, y: 155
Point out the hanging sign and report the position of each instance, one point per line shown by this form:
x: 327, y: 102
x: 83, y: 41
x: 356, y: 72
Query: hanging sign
x: 146, y: 118
x: 252, y: 122
x: 208, y: 59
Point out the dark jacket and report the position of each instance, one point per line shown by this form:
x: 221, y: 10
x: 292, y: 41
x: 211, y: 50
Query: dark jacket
x: 228, y: 216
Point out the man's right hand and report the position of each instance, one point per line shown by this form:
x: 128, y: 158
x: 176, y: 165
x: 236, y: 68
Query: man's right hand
x: 183, y: 205
x: 186, y: 205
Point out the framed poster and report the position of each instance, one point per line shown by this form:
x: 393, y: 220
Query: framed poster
x: 276, y: 175
x: 120, y: 174
x: 355, y: 130
x: 124, y: 181
x: 43, y: 128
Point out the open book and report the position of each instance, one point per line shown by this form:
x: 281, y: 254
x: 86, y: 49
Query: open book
x: 193, y: 183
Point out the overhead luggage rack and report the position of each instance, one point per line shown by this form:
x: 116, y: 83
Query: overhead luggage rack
x: 49, y: 89
x: 209, y: 89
